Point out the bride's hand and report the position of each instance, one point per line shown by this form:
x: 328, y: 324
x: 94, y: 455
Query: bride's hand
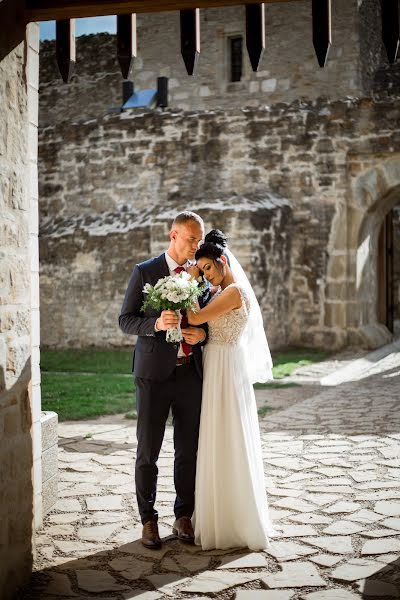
x: 194, y: 271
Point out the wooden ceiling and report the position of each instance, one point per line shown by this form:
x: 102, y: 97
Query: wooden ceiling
x: 48, y: 10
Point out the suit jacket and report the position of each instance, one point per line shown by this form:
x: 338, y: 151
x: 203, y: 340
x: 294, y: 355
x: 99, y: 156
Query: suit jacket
x: 153, y: 358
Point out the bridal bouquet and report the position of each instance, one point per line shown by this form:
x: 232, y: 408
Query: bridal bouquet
x: 174, y: 292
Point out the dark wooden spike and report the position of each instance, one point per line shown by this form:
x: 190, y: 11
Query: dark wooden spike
x: 255, y: 33
x: 190, y: 38
x: 321, y: 23
x: 390, y: 28
x: 126, y: 43
x: 65, y: 48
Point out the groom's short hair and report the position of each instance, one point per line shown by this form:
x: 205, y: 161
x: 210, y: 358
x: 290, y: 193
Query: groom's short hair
x: 185, y: 216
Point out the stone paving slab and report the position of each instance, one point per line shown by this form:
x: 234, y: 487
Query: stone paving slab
x: 332, y: 464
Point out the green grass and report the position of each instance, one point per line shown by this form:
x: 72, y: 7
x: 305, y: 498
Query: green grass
x: 83, y: 384
x: 263, y: 410
x: 86, y: 361
x: 275, y: 385
x: 289, y: 360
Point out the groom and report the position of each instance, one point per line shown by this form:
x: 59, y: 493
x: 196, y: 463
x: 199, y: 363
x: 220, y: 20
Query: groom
x: 167, y: 376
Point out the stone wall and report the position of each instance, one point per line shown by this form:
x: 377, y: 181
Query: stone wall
x: 276, y: 159
x: 396, y: 267
x: 20, y: 476
x: 288, y: 70
x: 275, y: 179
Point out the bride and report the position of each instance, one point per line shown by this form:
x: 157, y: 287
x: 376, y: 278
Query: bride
x: 231, y: 507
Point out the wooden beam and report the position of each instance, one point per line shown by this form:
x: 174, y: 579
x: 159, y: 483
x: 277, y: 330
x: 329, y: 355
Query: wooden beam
x: 322, y: 29
x: 255, y: 33
x: 48, y: 10
x: 66, y: 48
x: 126, y: 43
x: 190, y: 38
x: 390, y: 28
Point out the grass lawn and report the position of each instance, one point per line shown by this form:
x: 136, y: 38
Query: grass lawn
x: 82, y: 384
x: 289, y: 360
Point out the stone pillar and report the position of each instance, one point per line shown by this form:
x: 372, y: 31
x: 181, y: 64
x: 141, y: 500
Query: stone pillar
x: 32, y: 77
x: 49, y: 422
x: 19, y: 359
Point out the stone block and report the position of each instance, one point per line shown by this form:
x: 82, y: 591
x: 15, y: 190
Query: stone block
x: 49, y: 494
x: 18, y: 355
x: 268, y: 85
x: 3, y: 362
x: 354, y: 314
x: 25, y: 410
x: 284, y: 84
x: 37, y: 510
x: 12, y: 421
x: 35, y: 397
x: 204, y: 91
x: 19, y: 528
x: 33, y: 69
x: 325, y: 145
x: 33, y: 36
x: 49, y: 424
x: 37, y: 441
x: 37, y: 476
x: 33, y: 106
x: 35, y: 365
x: 375, y: 335
x: 337, y: 266
x: 35, y: 327
x: 254, y: 87
x: 49, y: 463
x: 34, y: 194
x: 339, y: 291
x: 335, y: 314
x: 35, y: 296
x: 34, y: 253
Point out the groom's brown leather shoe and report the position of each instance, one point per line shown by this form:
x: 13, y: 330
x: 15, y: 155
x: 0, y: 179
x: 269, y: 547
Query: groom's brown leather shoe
x: 183, y: 529
x: 150, y: 536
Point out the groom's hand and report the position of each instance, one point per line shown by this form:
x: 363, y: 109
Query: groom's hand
x: 193, y: 335
x: 166, y: 320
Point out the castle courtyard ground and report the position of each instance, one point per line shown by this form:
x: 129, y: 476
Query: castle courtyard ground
x: 332, y: 464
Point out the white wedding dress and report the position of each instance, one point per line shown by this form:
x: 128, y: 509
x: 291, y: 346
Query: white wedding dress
x: 231, y: 507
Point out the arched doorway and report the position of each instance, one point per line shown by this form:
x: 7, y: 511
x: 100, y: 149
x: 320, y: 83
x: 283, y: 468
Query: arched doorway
x: 385, y: 272
x: 374, y: 252
x: 388, y: 306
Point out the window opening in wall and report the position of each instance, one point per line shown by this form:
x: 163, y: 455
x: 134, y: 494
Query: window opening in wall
x: 236, y: 55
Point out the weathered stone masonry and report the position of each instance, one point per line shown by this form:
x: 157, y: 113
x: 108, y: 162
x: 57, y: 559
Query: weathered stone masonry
x: 20, y: 432
x: 277, y: 180
x: 298, y: 164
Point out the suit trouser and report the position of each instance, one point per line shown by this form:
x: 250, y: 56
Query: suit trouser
x: 182, y: 393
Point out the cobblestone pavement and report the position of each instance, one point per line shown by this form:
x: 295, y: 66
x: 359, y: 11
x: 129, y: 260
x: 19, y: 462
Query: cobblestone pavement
x: 332, y: 464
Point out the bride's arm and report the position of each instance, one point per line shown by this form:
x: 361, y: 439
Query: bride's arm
x: 227, y: 301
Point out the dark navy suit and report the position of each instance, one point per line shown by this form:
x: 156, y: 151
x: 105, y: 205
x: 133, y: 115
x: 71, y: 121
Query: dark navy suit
x: 161, y: 385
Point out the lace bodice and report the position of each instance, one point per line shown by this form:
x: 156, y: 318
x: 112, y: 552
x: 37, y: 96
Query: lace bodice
x: 228, y: 328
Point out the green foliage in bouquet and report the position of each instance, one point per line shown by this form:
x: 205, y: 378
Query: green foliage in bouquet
x: 173, y: 292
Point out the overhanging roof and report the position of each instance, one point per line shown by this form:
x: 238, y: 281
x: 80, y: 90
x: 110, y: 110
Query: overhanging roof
x: 48, y: 10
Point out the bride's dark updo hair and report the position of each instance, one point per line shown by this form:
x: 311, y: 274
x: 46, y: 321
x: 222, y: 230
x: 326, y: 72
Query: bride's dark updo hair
x: 213, y: 247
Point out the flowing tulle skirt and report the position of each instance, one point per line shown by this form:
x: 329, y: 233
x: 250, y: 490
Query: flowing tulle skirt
x: 231, y: 507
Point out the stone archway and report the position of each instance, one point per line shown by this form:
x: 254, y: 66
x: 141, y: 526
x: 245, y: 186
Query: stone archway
x: 373, y: 194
